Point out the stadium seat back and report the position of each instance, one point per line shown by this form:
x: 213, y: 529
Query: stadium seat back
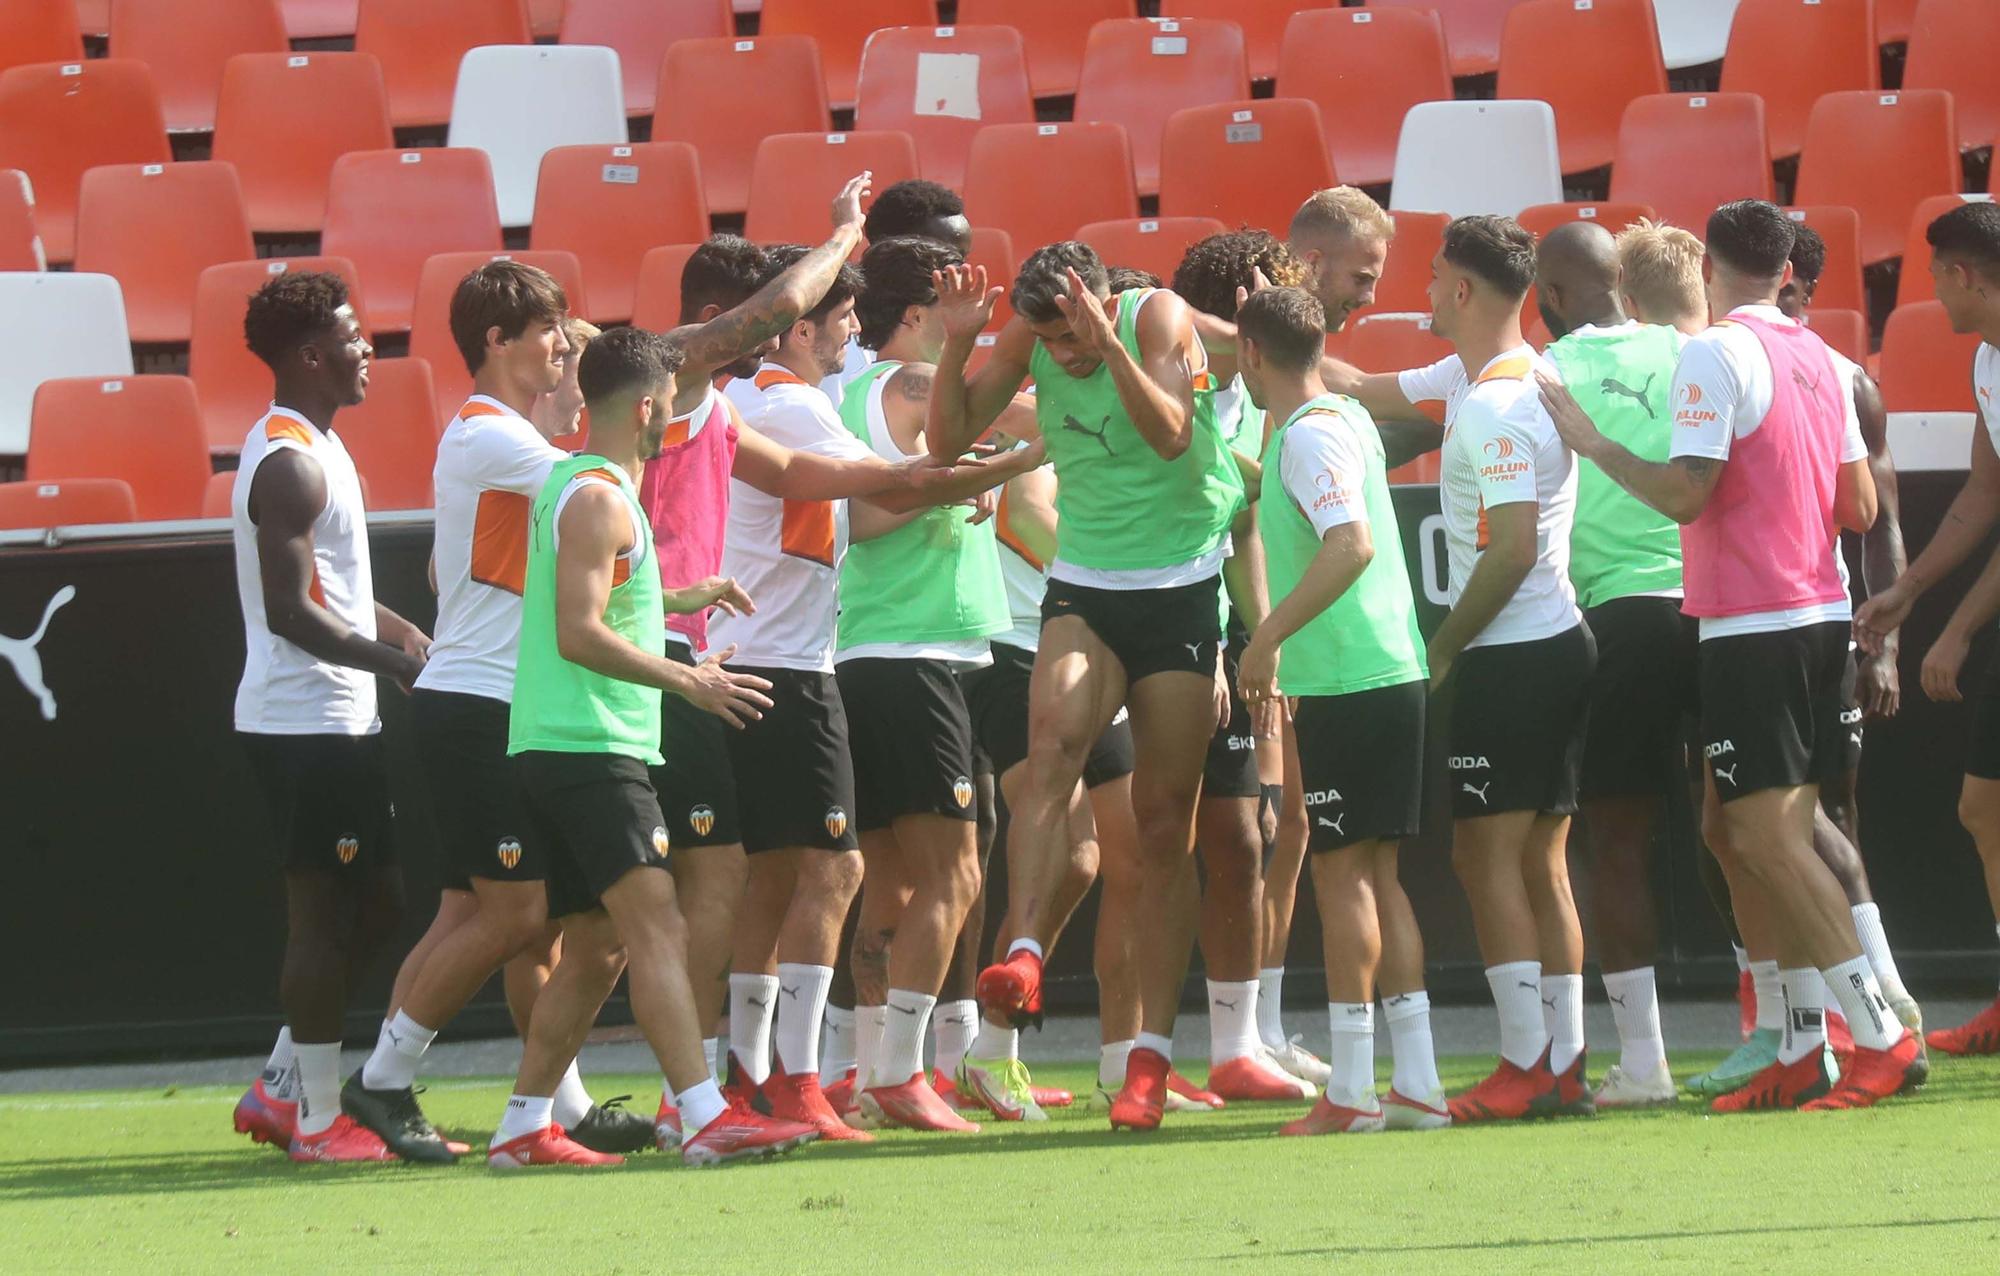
x: 1471, y: 29
x: 1137, y: 71
x: 702, y: 102
x: 421, y: 45
x: 389, y: 211
x: 156, y: 227
x: 232, y: 385
x: 1054, y: 32
x: 1896, y: 20
x: 1244, y: 163
x: 941, y: 85
x: 393, y: 433
x: 1405, y: 283
x: 545, y: 18
x: 994, y: 249
x: 55, y: 325
x: 842, y: 31
x: 1880, y: 154
x: 656, y: 301
x: 1792, y: 51
x: 1686, y: 154
x: 1914, y: 283
x: 284, y: 118
x: 1263, y: 23
x: 1090, y: 172
x: 1844, y: 330
x: 1588, y: 59
x: 796, y: 176
x: 1926, y: 367
x: 610, y: 204
x: 430, y: 324
x: 1389, y: 341
x: 20, y: 242
x: 1693, y: 32
x: 1543, y: 218
x: 59, y: 118
x: 66, y: 503
x: 1477, y: 157
x: 1840, y: 285
x: 39, y: 31
x: 319, y: 19
x: 1365, y: 68
x: 187, y: 56
x: 518, y: 103
x: 1951, y: 47
x: 145, y: 430
x: 1152, y: 244
x: 641, y: 30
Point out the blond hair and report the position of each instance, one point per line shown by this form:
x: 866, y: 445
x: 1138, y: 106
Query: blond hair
x: 1659, y: 268
x: 579, y: 333
x: 1342, y: 210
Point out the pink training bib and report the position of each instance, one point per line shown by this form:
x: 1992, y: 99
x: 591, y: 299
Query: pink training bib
x: 685, y: 493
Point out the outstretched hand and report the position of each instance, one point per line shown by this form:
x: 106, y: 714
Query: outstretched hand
x: 847, y: 204
x: 965, y: 302
x: 1085, y: 312
x: 1579, y: 433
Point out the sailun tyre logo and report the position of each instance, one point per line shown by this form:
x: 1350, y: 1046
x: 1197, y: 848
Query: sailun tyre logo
x: 1499, y: 449
x: 509, y: 853
x: 836, y: 822
x: 347, y: 848
x: 961, y: 792
x: 1691, y: 394
x: 702, y: 820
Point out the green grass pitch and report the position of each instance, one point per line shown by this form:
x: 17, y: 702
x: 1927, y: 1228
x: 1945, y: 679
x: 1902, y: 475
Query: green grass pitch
x: 153, y: 1181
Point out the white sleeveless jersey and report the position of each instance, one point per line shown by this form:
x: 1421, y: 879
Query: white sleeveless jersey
x: 284, y: 690
x: 1985, y: 385
x: 1025, y: 579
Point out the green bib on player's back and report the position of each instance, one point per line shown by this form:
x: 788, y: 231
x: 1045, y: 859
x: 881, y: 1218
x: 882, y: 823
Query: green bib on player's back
x: 935, y: 579
x: 1621, y: 546
x: 563, y: 707
x: 1120, y: 505
x: 1368, y: 638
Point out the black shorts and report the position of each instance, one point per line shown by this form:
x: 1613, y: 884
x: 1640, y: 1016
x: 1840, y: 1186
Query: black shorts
x: 1642, y: 698
x: 794, y: 779
x: 1850, y: 714
x: 996, y: 696
x: 696, y: 784
x: 1982, y: 743
x: 1174, y: 630
x: 481, y: 822
x: 1771, y: 708
x: 328, y: 796
x: 1518, y: 712
x: 1361, y: 762
x: 911, y: 740
x: 1231, y: 768
x: 599, y: 818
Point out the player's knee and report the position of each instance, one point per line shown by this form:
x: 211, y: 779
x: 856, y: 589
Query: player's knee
x: 1981, y: 818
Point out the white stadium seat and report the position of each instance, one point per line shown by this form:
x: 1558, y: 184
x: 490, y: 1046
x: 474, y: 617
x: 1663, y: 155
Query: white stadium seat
x: 1931, y: 440
x: 1693, y: 32
x: 55, y: 325
x: 518, y: 102
x: 1463, y: 158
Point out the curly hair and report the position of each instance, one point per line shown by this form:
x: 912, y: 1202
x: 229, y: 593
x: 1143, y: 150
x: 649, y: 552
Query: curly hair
x: 1126, y: 278
x: 1215, y: 268
x: 907, y: 207
x: 290, y: 310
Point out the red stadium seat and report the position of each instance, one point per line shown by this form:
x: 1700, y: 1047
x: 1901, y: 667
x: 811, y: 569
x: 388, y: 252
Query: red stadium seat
x: 841, y: 30
x: 545, y: 18
x: 1588, y: 59
x: 1137, y: 71
x: 1471, y: 29
x: 656, y: 302
x: 641, y: 30
x: 39, y: 31
x: 1845, y: 330
x: 1405, y: 282
x: 187, y: 56
x: 702, y: 101
x: 283, y: 120
x: 68, y: 503
x: 1152, y: 244
x: 420, y: 46
x: 144, y: 430
x: 155, y: 228
x: 916, y: 79
x: 1926, y: 367
x: 1243, y: 163
x: 393, y: 433
x: 796, y: 176
x: 1951, y: 48
x: 1365, y: 68
x: 1090, y: 167
x: 1840, y: 286
x: 1263, y: 23
x: 1543, y: 218
x: 319, y: 19
x: 59, y: 118
x: 1793, y: 51
x: 221, y: 489
x: 610, y: 204
x: 1391, y: 342
x: 1054, y: 31
x: 1880, y: 154
x: 94, y: 16
x: 20, y: 242
x: 1915, y: 283
x: 994, y: 249
x: 430, y: 321
x: 1895, y: 20
x: 1686, y: 154
x: 389, y: 211
x: 233, y: 385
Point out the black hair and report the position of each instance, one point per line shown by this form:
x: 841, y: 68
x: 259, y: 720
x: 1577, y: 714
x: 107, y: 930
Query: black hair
x: 1044, y: 277
x: 1496, y: 250
x: 1808, y: 256
x: 907, y: 207
x: 623, y: 360
x: 1126, y: 278
x: 290, y: 310
x: 782, y: 257
x: 897, y: 274
x: 1969, y: 233
x: 1752, y: 237
x: 722, y: 272
x: 507, y: 295
x: 1213, y: 269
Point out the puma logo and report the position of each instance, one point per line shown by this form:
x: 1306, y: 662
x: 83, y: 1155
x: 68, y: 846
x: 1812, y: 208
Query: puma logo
x: 1226, y: 1005
x: 27, y: 662
x: 1194, y: 650
x: 1479, y: 792
x: 1809, y: 385
x: 1534, y: 988
x: 1400, y: 999
x: 1642, y: 396
x: 1616, y: 1000
x: 1550, y: 1002
x: 1334, y: 823
x: 1075, y: 426
x: 789, y: 992
x: 1727, y: 773
x: 759, y: 1004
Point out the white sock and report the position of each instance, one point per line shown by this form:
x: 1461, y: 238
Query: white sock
x: 1805, y: 1014
x: 1770, y: 997
x: 836, y: 1054
x: 572, y: 1100
x: 953, y: 1029
x: 281, y: 1070
x: 868, y: 1026
x: 1742, y: 958
x: 1635, y: 1007
x: 319, y: 1085
x: 1855, y: 987
x: 1562, y: 1006
x: 1153, y: 1041
x: 1232, y: 1020
x: 1517, y: 995
x: 699, y: 1104
x: 751, y: 1004
x: 901, y: 1054
x: 398, y: 1053
x: 1868, y: 927
x: 1270, y: 1006
x: 524, y: 1114
x: 1025, y: 945
x: 1353, y: 1056
x: 1409, y: 1016
x: 802, y: 992
x: 996, y: 1042
x: 1111, y: 1058
x: 711, y: 1050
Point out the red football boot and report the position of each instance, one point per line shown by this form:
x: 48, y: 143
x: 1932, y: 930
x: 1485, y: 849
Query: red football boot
x: 1142, y: 1099
x: 1977, y: 1035
x: 737, y: 1087
x: 797, y: 1097
x: 1510, y: 1093
x: 1184, y: 1095
x: 550, y: 1145
x: 741, y: 1134
x: 913, y: 1105
x: 1839, y: 1038
x: 1780, y: 1086
x: 1051, y: 1097
x: 667, y: 1125
x: 345, y: 1140
x: 264, y: 1117
x: 1873, y: 1076
x: 1573, y: 1097
x: 1246, y: 1079
x: 840, y: 1095
x: 947, y: 1089
x: 1013, y: 988
x: 1332, y: 1118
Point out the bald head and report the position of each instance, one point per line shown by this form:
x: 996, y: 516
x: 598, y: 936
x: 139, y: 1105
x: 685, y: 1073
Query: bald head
x: 1576, y: 277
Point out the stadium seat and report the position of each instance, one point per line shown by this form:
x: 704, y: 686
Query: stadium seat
x: 1792, y: 51
x: 217, y: 496
x: 641, y: 30
x: 430, y: 321
x: 1365, y: 68
x: 1471, y: 30
x: 518, y: 103
x: 187, y: 56
x: 1405, y: 282
x: 1840, y: 285
x: 1588, y: 59
x: 1153, y: 244
x: 656, y: 301
x: 1390, y: 341
x: 941, y: 85
x: 283, y: 120
x: 1543, y: 218
x: 421, y: 45
x: 1915, y: 283
x: 319, y: 19
x: 67, y: 503
x: 1688, y: 153
x: 1880, y: 154
x: 1091, y: 165
x: 610, y: 204
x: 796, y: 176
x: 233, y: 385
x: 1895, y: 20
x: 39, y: 31
x: 1054, y: 31
x: 20, y: 242
x: 393, y: 433
x: 702, y: 101
x: 1845, y: 330
x: 545, y: 18
x: 388, y: 211
x: 1243, y: 163
x: 143, y: 429
x: 842, y: 30
x: 94, y: 17
x: 59, y: 118
x: 55, y: 325
x: 1139, y: 70
x: 994, y: 249
x: 1263, y: 23
x: 156, y: 227
x: 1477, y: 157
x: 1692, y: 32
x: 1926, y: 367
x: 1951, y: 48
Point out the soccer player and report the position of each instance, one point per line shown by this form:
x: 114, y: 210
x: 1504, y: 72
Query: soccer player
x: 925, y: 210
x: 1147, y: 493
x: 1346, y: 625
x: 315, y: 641
x: 1965, y: 263
x: 1767, y: 452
